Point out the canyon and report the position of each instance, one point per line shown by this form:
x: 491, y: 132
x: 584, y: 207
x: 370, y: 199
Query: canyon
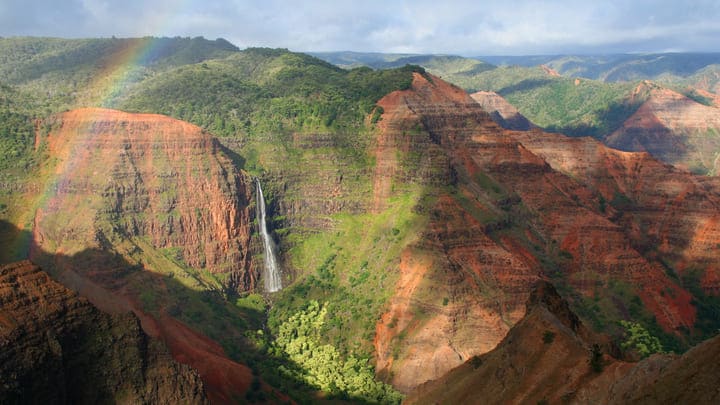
x: 439, y: 237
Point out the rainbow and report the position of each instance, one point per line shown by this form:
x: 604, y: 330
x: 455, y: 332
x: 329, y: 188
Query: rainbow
x: 117, y: 73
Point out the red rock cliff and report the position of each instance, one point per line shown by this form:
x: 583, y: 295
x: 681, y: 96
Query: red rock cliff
x: 513, y: 216
x: 156, y: 182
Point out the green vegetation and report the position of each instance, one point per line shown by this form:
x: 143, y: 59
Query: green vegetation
x: 321, y: 365
x: 260, y: 91
x: 573, y: 107
x: 63, y: 72
x: 640, y: 340
x: 353, y: 270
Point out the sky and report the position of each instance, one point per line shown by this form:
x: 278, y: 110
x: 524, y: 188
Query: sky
x: 464, y: 27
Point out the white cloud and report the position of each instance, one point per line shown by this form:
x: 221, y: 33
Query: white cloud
x: 460, y: 26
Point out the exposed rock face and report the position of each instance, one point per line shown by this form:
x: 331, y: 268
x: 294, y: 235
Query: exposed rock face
x: 55, y: 347
x: 665, y: 212
x: 157, y: 182
x: 523, y: 368
x: 516, y: 213
x: 545, y: 357
x: 142, y: 209
x: 674, y: 129
x: 502, y: 112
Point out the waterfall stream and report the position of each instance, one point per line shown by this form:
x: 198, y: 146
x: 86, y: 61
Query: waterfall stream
x: 271, y: 275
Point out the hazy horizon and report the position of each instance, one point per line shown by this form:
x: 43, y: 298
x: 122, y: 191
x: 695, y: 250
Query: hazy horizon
x: 460, y: 27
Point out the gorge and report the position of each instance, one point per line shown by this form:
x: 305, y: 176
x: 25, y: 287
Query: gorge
x: 423, y: 247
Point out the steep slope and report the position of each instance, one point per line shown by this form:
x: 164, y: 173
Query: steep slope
x: 549, y: 356
x: 501, y: 111
x: 146, y: 213
x: 688, y: 379
x: 666, y: 212
x: 500, y: 218
x: 674, y: 129
x: 55, y: 347
x: 544, y: 357
x: 147, y: 182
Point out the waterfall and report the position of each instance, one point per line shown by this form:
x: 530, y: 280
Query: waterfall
x: 271, y: 275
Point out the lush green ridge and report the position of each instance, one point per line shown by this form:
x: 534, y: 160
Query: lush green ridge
x: 259, y: 91
x: 59, y: 73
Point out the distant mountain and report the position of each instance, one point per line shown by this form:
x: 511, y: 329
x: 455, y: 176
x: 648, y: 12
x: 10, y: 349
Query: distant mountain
x: 673, y: 128
x: 349, y: 59
x: 618, y: 67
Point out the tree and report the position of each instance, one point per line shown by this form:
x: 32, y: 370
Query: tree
x: 640, y: 340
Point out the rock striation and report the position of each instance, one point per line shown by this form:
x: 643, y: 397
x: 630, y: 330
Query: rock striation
x: 509, y: 208
x: 55, y: 347
x: 673, y: 128
x: 144, y: 182
x: 546, y: 357
x: 543, y: 357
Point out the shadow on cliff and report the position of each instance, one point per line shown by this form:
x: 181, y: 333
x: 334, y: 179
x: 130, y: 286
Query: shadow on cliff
x: 201, y: 328
x: 525, y: 85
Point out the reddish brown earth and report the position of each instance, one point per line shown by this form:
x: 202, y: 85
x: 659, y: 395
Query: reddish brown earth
x: 674, y: 129
x: 55, y: 347
x: 513, y: 216
x: 502, y: 112
x: 151, y: 178
x: 147, y: 185
x: 545, y: 358
x: 673, y: 215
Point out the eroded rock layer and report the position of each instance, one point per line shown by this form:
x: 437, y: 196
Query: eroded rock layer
x: 55, y: 347
x: 137, y: 182
x: 550, y: 356
x: 674, y: 129
x: 509, y: 208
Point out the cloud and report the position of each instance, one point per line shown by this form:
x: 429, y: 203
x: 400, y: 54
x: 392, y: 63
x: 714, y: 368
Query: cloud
x: 423, y: 26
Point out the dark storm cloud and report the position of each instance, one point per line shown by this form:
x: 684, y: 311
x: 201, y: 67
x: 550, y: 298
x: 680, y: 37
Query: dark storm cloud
x: 467, y: 27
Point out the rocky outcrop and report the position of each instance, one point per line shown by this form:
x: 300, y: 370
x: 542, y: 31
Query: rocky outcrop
x: 505, y: 213
x: 547, y: 357
x: 146, y: 182
x: 55, y: 347
x: 674, y: 129
x: 502, y: 112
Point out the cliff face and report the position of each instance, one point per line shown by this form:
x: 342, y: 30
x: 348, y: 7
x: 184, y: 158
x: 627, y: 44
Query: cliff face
x: 664, y: 212
x: 458, y: 289
x: 674, y: 129
x: 506, y: 213
x: 145, y: 213
x: 546, y: 357
x: 146, y: 182
x: 55, y: 347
